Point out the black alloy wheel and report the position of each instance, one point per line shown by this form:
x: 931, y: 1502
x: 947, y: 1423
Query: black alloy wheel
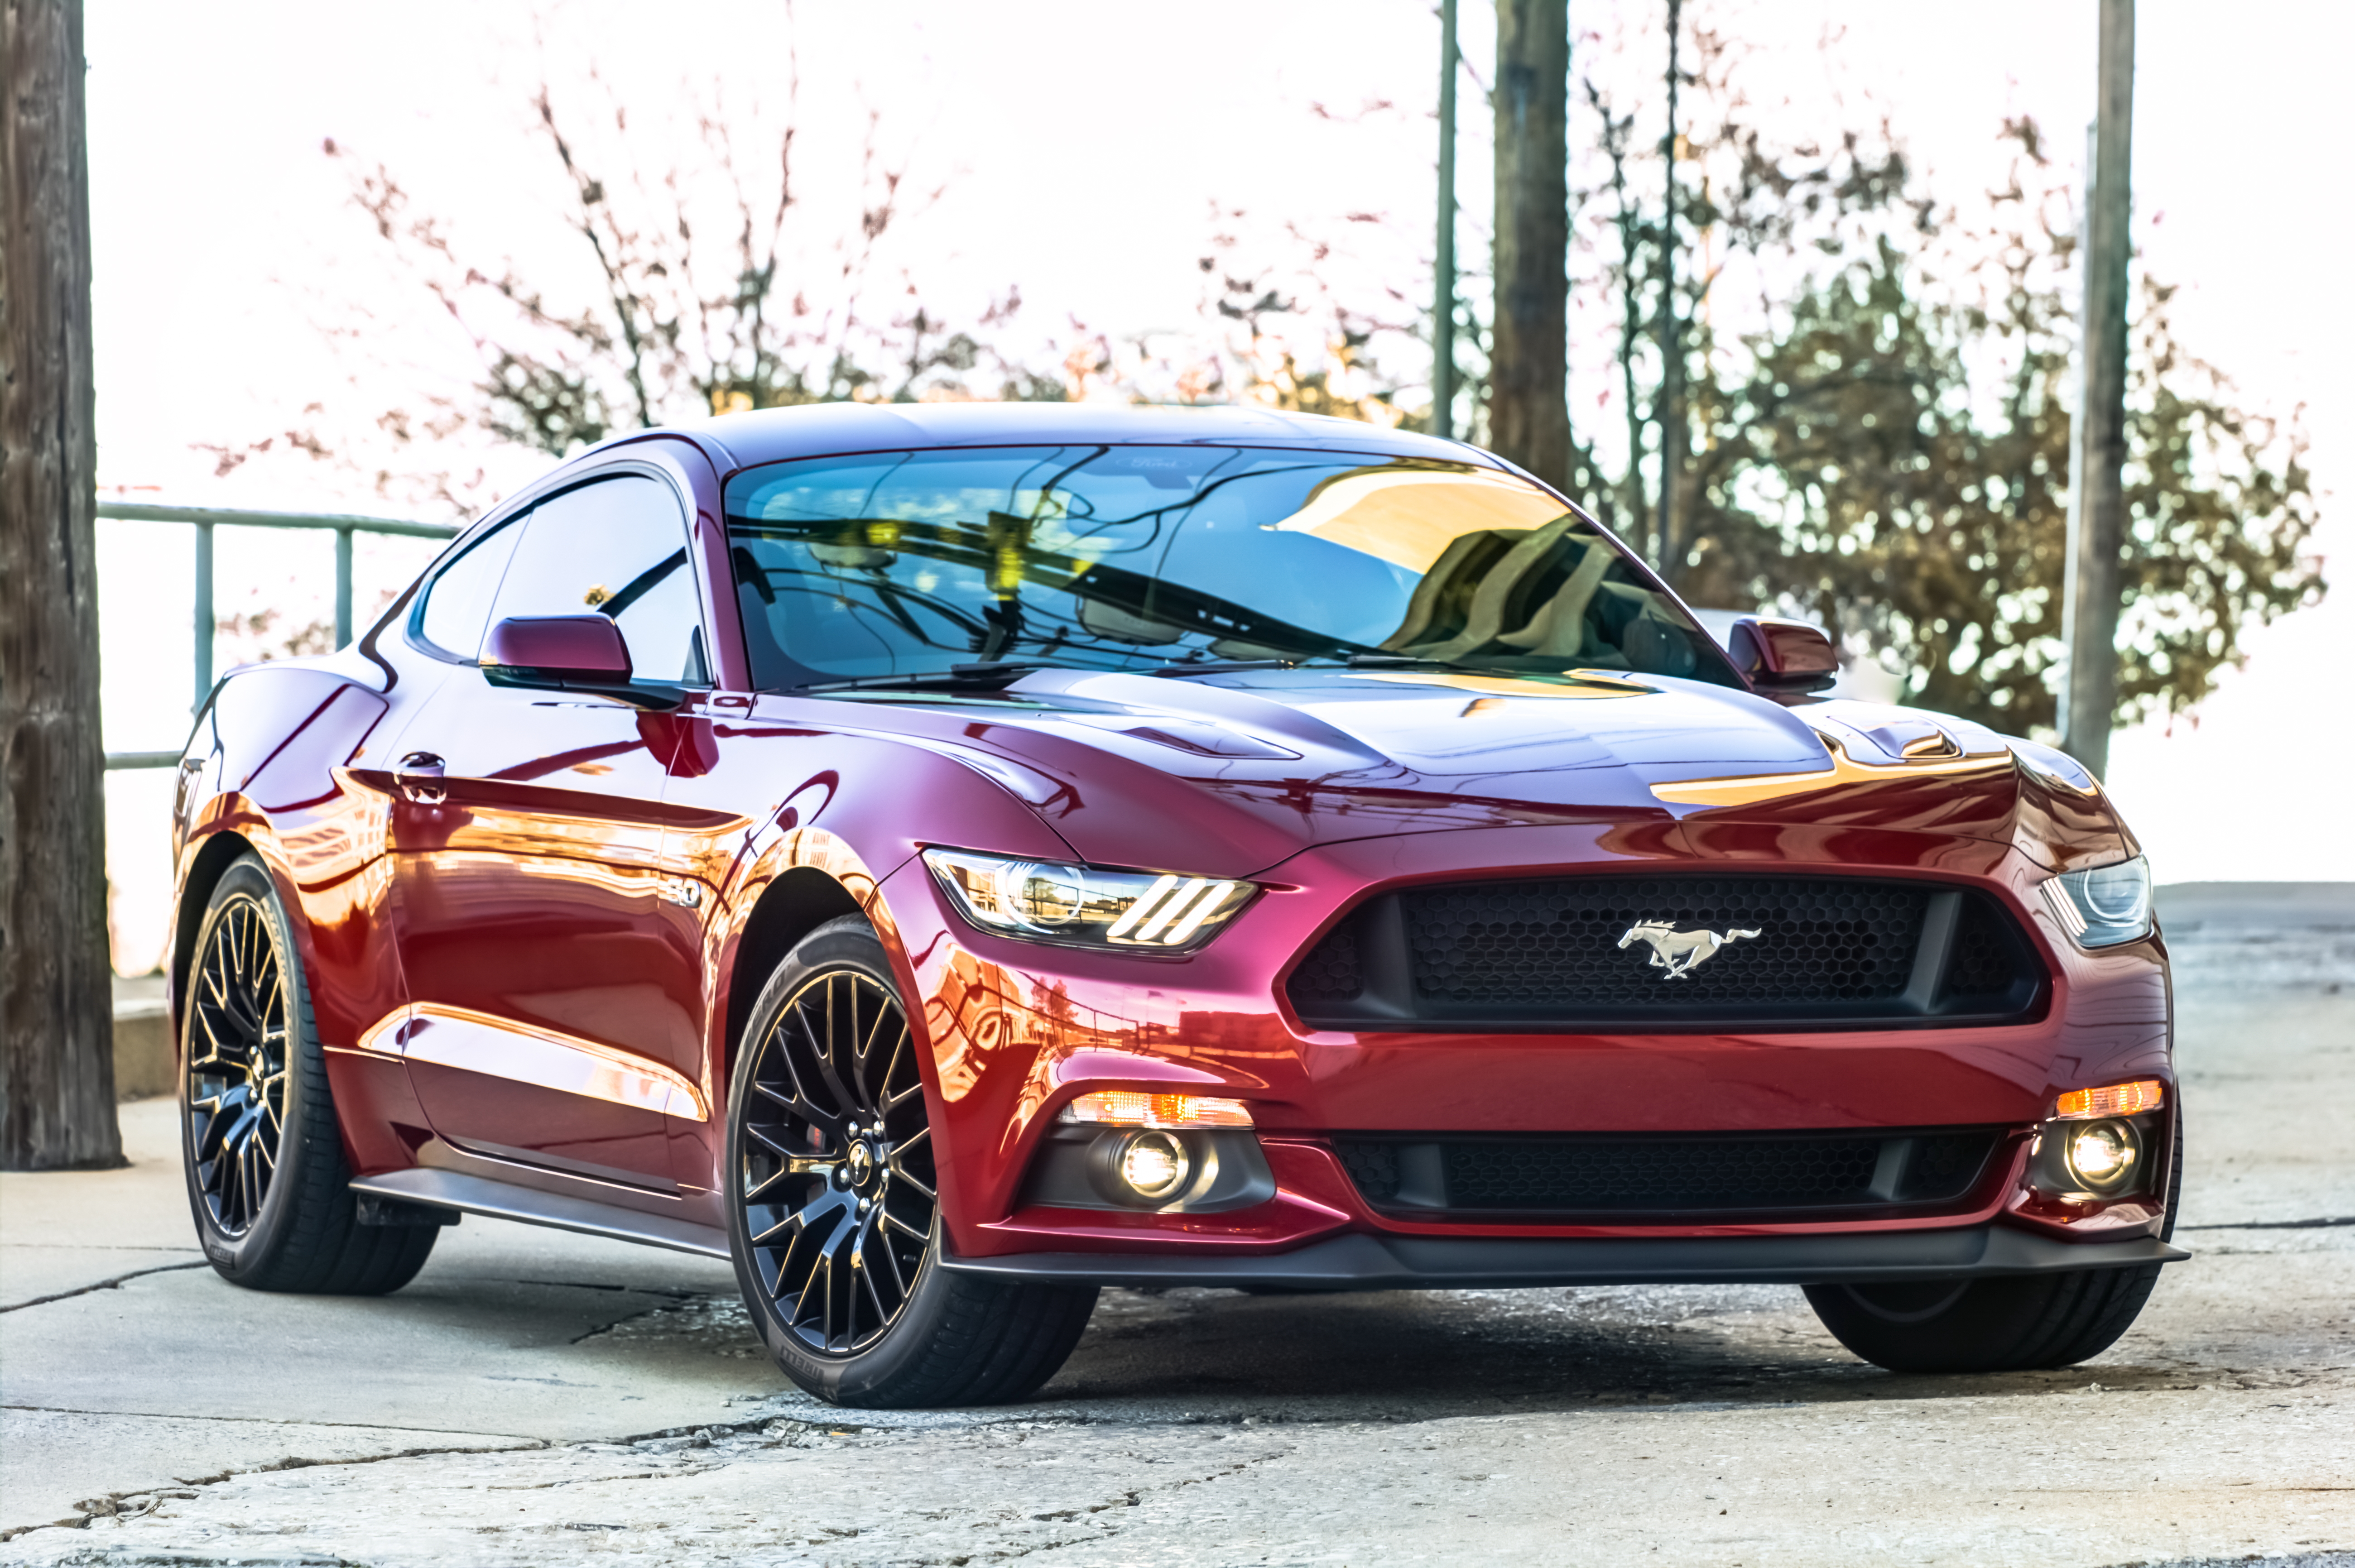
x: 238, y: 1035
x: 835, y: 1214
x: 837, y: 1178
x: 268, y: 1184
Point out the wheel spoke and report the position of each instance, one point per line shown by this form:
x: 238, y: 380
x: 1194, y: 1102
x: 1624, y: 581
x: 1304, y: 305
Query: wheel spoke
x: 865, y: 1272
x: 790, y: 1226
x: 862, y: 1054
x: 839, y: 1211
x: 776, y: 1287
x: 776, y: 1146
x: 888, y: 1101
x: 250, y: 1171
x: 825, y: 1300
x: 828, y: 1047
x: 240, y: 1055
x: 882, y: 1234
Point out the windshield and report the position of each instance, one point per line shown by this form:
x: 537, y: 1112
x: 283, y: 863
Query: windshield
x: 1126, y: 557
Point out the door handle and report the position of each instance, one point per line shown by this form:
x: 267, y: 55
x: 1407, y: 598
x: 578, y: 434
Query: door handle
x: 419, y: 778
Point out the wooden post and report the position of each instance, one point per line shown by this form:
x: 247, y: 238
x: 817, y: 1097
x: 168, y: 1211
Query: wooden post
x: 1671, y: 406
x: 57, y: 1015
x: 1529, y: 409
x: 2089, y: 692
x: 1443, y: 293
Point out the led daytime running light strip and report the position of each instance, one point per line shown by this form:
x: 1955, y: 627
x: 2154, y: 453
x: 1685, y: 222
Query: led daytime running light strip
x: 1129, y: 1107
x: 2118, y: 1099
x: 1171, y: 911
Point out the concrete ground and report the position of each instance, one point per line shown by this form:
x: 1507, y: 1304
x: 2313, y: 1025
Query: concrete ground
x: 540, y: 1398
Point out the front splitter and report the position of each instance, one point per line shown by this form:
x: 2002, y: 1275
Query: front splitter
x: 1365, y: 1262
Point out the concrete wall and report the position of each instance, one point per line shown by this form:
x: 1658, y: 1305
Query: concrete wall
x: 145, y: 1053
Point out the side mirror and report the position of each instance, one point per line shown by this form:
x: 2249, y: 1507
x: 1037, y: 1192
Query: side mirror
x: 584, y: 649
x: 1781, y: 658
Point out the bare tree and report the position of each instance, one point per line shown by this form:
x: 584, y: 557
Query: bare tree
x: 697, y: 308
x: 56, y: 1062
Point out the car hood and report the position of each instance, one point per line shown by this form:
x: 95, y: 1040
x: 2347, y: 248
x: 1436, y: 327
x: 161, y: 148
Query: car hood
x: 1230, y: 773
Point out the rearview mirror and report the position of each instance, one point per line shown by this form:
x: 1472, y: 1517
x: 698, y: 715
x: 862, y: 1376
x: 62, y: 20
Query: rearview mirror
x: 1781, y: 658
x: 586, y: 649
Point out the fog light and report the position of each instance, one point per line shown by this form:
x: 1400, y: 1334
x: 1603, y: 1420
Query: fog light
x: 1155, y: 1165
x: 2102, y: 1154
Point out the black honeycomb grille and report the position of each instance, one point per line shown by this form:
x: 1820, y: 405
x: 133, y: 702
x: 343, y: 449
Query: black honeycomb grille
x: 1524, y: 944
x: 1671, y: 951
x: 1373, y: 1165
x: 1623, y: 1176
x: 1331, y: 971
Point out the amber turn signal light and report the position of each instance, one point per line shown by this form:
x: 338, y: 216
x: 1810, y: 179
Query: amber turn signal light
x: 2118, y: 1099
x: 1126, y: 1108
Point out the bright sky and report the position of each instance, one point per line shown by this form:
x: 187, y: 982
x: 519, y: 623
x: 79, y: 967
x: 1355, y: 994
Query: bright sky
x: 1083, y: 147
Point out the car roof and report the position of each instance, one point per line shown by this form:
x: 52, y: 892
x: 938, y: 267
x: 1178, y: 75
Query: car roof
x: 825, y: 429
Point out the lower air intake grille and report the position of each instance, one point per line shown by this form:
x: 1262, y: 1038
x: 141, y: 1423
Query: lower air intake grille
x: 1626, y: 1176
x: 1672, y: 951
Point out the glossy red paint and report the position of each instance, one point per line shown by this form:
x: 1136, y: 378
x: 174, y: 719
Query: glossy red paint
x: 533, y: 917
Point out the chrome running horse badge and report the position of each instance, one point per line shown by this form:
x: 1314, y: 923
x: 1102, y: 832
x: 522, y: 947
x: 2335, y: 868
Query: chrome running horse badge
x: 1680, y: 952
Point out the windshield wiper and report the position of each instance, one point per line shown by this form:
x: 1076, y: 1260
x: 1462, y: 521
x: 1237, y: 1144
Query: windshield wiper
x: 956, y: 677
x: 1222, y: 666
x: 1408, y: 662
x: 1352, y: 660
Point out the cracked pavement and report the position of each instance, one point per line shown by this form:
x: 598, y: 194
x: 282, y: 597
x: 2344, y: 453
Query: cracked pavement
x: 536, y: 1397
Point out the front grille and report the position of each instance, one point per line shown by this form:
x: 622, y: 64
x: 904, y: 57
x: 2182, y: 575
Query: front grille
x: 1627, y: 1175
x: 1671, y: 951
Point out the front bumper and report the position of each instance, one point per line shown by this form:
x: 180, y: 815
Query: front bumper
x: 1362, y: 1262
x: 1017, y: 1030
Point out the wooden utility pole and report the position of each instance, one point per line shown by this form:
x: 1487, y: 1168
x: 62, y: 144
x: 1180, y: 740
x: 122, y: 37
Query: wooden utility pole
x: 1671, y: 411
x: 57, y: 1054
x: 2089, y: 692
x: 1443, y: 297
x: 1529, y: 408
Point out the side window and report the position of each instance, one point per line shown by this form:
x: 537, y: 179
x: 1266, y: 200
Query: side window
x: 617, y: 547
x: 456, y: 610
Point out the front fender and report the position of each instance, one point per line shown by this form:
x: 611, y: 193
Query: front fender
x: 267, y: 766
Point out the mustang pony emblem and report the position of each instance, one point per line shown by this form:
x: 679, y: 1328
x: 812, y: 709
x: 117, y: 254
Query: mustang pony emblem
x: 1680, y: 952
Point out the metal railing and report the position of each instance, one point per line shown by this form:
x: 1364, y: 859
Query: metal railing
x: 204, y: 624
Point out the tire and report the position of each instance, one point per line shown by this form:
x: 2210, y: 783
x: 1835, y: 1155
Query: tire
x: 268, y: 1183
x: 2034, y: 1322
x: 833, y: 1202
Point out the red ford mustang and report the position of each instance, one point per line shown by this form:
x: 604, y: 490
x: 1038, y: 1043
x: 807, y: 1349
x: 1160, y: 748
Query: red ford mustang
x: 947, y: 859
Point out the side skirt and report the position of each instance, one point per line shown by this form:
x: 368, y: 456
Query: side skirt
x: 506, y: 1201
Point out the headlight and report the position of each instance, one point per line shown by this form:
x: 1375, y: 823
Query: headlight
x: 2104, y: 907
x: 1086, y: 906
